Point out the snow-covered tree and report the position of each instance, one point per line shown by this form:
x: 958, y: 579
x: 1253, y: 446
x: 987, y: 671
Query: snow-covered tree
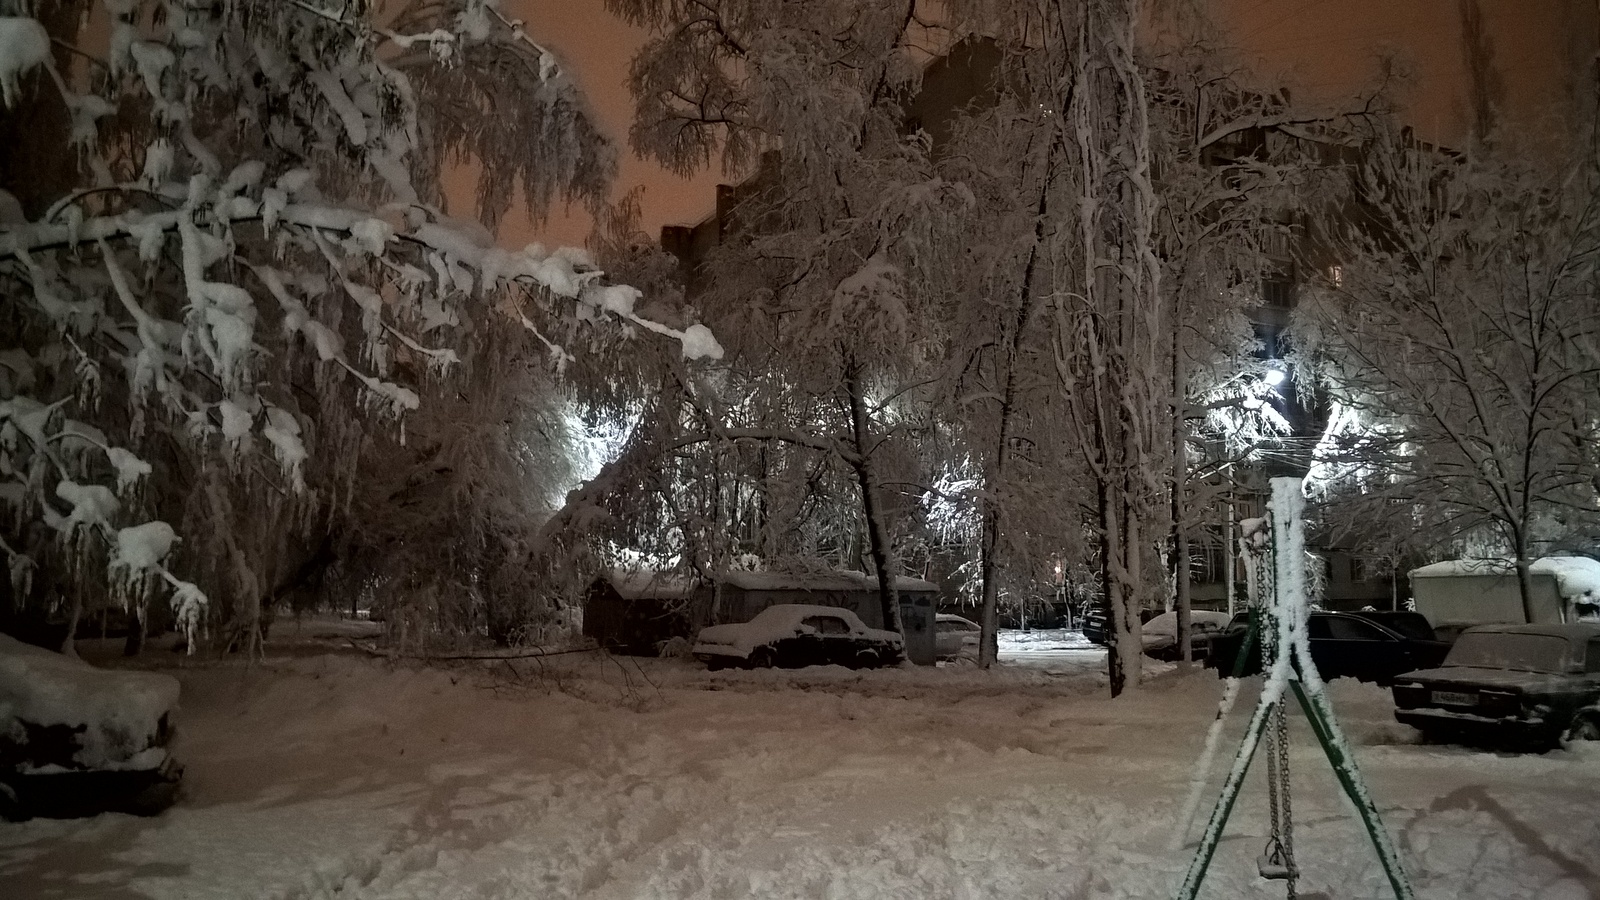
x: 822, y: 289
x: 229, y: 274
x: 1456, y: 328
x: 1131, y: 193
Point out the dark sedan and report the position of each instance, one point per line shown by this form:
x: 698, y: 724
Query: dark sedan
x: 1524, y: 684
x: 1343, y: 645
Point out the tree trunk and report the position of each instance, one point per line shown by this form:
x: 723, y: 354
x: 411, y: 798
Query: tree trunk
x: 1110, y: 540
x: 877, y: 534
x: 994, y: 513
x: 134, y: 645
x: 1524, y: 578
x: 989, y: 618
x: 69, y: 646
x: 1180, y: 472
x: 1228, y: 588
x: 1130, y: 646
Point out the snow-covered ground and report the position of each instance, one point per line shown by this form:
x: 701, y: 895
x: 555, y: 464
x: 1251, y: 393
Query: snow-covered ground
x: 323, y: 775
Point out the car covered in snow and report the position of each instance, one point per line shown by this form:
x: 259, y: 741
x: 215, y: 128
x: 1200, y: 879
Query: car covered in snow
x: 955, y: 636
x: 792, y: 635
x: 79, y: 740
x: 1524, y: 684
x: 1160, y: 634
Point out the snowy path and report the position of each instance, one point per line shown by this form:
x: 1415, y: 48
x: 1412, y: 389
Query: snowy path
x: 341, y: 777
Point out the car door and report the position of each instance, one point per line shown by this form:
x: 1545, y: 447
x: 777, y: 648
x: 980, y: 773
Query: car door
x: 831, y: 641
x: 952, y: 635
x: 1345, y: 646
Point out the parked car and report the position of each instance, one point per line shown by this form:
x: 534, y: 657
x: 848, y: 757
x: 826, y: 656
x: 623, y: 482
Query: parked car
x: 1343, y: 645
x: 1160, y: 634
x: 955, y: 636
x: 795, y: 634
x: 77, y: 740
x: 1413, y: 625
x: 1097, y: 622
x: 1523, y: 684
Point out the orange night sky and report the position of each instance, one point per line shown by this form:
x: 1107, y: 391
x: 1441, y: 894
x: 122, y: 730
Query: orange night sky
x: 1324, y: 50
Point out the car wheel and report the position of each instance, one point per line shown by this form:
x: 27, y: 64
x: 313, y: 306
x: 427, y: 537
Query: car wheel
x: 716, y: 664
x: 10, y: 807
x: 866, y: 659
x: 1584, y: 728
x: 762, y: 658
x: 154, y: 799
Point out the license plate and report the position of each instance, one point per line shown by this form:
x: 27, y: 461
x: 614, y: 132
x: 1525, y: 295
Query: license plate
x: 1455, y: 698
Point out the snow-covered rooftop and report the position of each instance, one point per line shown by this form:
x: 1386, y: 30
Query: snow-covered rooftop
x: 822, y: 581
x: 649, y: 584
x: 1577, y: 577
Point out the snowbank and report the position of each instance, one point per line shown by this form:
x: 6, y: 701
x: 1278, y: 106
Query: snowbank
x: 590, y: 777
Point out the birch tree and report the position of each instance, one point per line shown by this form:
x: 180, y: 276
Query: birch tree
x: 1141, y: 196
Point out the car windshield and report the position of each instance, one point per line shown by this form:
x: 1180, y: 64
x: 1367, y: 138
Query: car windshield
x: 1519, y: 652
x: 1410, y: 625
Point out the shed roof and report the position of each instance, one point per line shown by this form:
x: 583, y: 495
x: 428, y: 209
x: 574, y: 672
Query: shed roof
x: 1577, y: 577
x: 822, y: 581
x: 643, y: 584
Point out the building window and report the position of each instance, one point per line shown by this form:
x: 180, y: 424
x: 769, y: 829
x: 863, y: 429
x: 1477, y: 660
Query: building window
x: 1277, y: 293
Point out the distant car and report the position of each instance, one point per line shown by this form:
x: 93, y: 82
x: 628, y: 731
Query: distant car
x: 1524, y: 684
x: 1343, y: 645
x: 792, y: 635
x: 1413, y: 625
x: 76, y: 740
x: 1160, y: 634
x: 955, y: 636
x: 1096, y: 623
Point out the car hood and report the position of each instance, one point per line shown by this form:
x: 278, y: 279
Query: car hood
x: 1482, y: 677
x: 741, y: 635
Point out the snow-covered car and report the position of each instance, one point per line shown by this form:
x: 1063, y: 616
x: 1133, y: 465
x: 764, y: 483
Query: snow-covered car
x: 796, y: 634
x: 955, y: 636
x: 1160, y: 634
x: 79, y: 740
x: 1523, y: 684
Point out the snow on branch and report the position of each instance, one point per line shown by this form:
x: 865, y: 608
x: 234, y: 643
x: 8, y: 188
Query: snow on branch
x: 252, y: 231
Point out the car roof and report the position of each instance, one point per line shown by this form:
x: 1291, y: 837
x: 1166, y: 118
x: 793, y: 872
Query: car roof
x: 806, y: 609
x: 952, y: 617
x: 1571, y: 630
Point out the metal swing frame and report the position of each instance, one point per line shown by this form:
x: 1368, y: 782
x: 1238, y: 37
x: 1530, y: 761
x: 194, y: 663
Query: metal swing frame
x: 1291, y: 645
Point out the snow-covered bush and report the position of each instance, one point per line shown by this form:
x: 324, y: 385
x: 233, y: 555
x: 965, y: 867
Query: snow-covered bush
x: 228, y: 272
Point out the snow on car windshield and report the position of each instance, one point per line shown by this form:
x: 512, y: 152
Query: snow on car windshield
x: 1519, y: 652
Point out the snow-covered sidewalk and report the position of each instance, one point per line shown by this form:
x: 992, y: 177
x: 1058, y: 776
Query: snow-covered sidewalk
x: 341, y: 776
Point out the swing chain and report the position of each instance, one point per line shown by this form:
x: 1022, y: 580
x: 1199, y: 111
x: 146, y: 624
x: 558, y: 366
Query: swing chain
x: 1284, y: 830
x: 1277, y: 861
